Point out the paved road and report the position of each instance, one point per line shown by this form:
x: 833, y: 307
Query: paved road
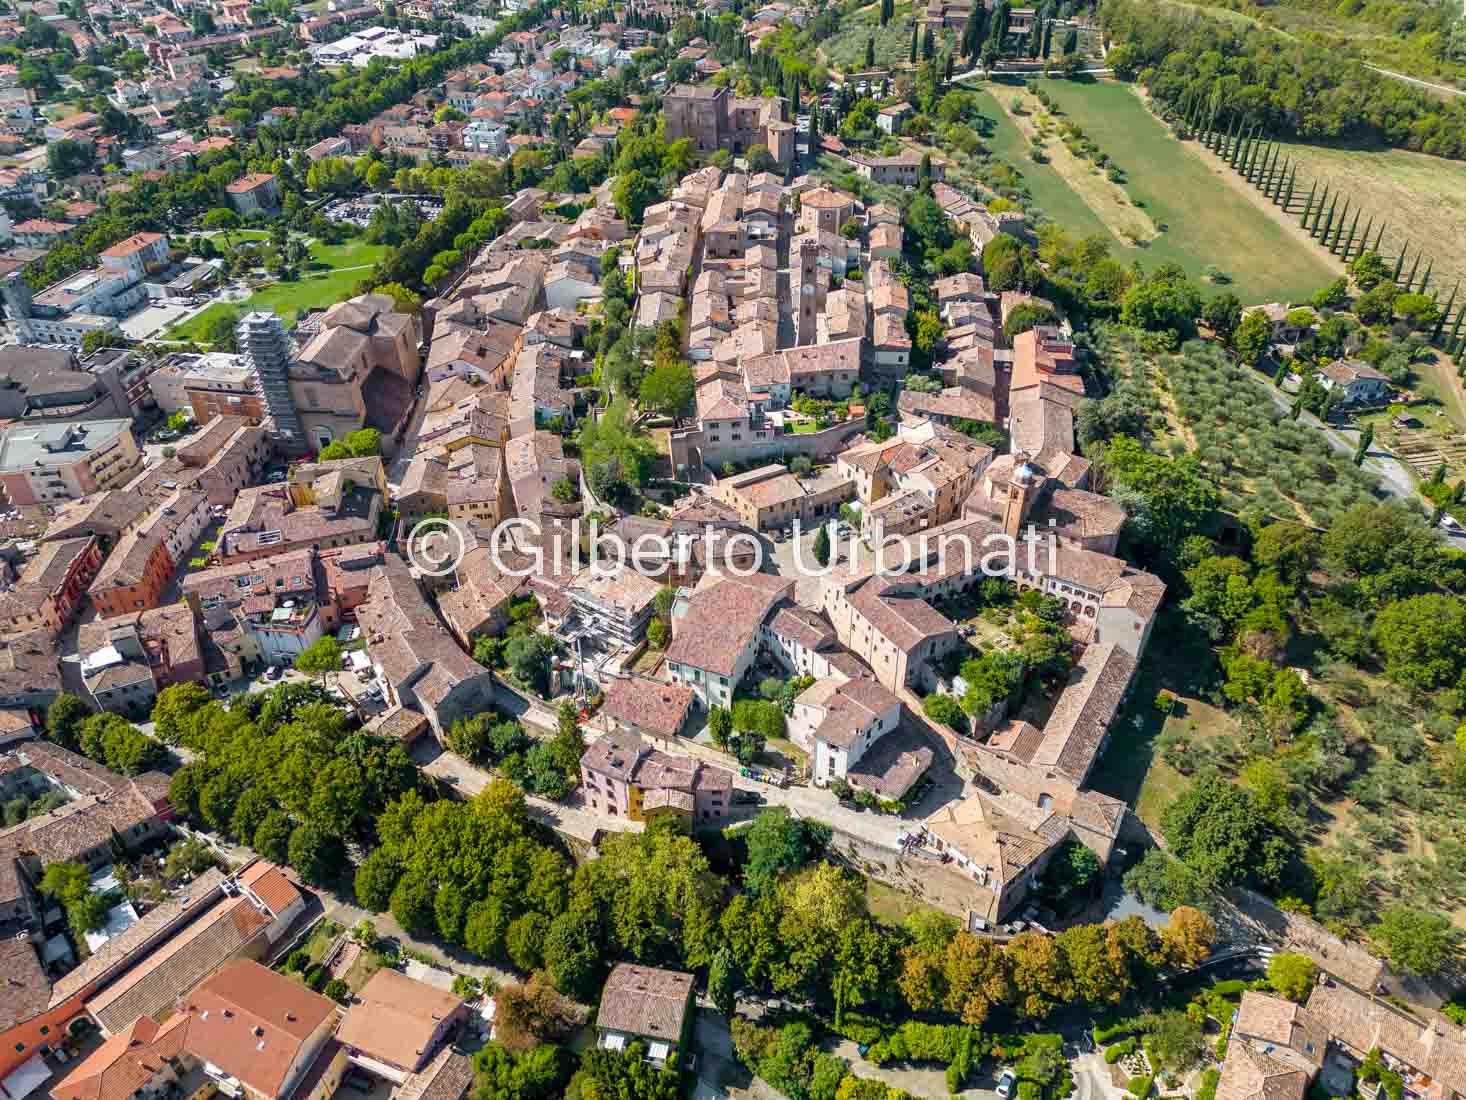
x: 1395, y: 479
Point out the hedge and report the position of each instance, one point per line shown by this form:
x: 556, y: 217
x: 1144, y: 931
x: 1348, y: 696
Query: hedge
x: 914, y: 1041
x: 1140, y: 1087
x: 1029, y: 1090
x: 1208, y: 1089
x: 1231, y: 988
x: 1104, y: 1035
x: 1118, y: 1050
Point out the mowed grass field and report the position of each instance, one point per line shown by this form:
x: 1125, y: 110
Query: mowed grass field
x: 1206, y: 222
x: 1420, y: 199
x: 330, y: 276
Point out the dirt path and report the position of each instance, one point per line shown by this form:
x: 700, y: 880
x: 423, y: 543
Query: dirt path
x: 1219, y: 168
x: 1108, y: 201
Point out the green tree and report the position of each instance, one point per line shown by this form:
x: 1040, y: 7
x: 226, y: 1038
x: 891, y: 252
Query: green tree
x: 1223, y: 315
x: 314, y: 853
x: 174, y: 706
x: 1423, y: 640
x: 320, y: 658
x: 822, y: 545
x: 1292, y: 975
x: 64, y: 718
x: 723, y: 982
x: 376, y: 878
x: 1252, y: 336
x: 668, y: 389
x: 778, y: 842
x: 1416, y: 941
x: 1217, y: 830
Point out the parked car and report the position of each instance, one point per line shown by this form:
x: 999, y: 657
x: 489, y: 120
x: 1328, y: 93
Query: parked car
x: 1006, y: 1084
x: 273, y: 672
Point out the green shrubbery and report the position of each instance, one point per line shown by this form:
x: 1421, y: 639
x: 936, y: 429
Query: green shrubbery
x: 917, y: 1042
x: 1208, y: 1089
x: 1114, y: 1031
x: 1140, y: 1087
x: 1119, y: 1050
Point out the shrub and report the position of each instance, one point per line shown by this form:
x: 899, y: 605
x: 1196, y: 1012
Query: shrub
x: 299, y: 960
x: 1233, y: 987
x: 338, y: 991
x: 1208, y: 1089
x: 1140, y: 1087
x: 315, y: 977
x: 1119, y: 1050
x: 1114, y: 1031
x: 1029, y: 1090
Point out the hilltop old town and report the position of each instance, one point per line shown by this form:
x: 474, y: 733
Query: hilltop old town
x: 635, y: 549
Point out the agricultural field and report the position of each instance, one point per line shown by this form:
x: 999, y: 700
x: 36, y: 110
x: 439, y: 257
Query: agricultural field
x: 1200, y: 220
x: 1420, y: 199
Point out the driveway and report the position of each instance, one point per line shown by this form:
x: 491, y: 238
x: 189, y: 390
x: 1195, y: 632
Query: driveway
x: 1395, y: 479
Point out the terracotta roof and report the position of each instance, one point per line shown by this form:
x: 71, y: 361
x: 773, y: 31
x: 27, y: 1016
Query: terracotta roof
x: 395, y: 1017
x: 645, y: 1001
x: 252, y: 1023
x: 652, y: 705
x: 1082, y: 714
x: 1249, y: 1074
x: 724, y: 619
x: 229, y: 929
x: 24, y: 981
x: 268, y: 882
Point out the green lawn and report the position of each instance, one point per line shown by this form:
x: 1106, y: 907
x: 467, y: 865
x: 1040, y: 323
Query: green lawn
x: 1206, y: 221
x: 330, y: 277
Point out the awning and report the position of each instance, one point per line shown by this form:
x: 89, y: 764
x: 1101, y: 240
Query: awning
x: 24, y: 1081
x: 613, y: 1042
x: 659, y: 1051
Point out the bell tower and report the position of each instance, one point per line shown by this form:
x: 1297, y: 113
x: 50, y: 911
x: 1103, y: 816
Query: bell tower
x: 1023, y: 490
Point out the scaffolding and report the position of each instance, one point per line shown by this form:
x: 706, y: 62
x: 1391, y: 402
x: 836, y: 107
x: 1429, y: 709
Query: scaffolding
x: 266, y: 349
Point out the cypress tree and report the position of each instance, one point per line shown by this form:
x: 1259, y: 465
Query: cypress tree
x: 1440, y: 324
x: 1035, y: 36
x: 1227, y: 147
x: 948, y: 75
x: 1425, y: 279
x: 928, y: 45
x: 870, y: 53
x: 1330, y: 239
x: 1318, y: 214
x: 1349, y: 240
x: 1333, y: 245
x: 1307, y: 205
x: 1400, y: 263
x: 1239, y: 151
x: 1379, y: 238
x: 1364, y: 239
x: 1247, y: 150
x: 1456, y: 326
x: 1048, y: 38
x: 1413, y: 269
x: 1328, y: 225
x: 1288, y: 195
x: 915, y: 31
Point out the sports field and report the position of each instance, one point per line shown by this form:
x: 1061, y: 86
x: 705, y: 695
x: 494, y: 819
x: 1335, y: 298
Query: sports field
x: 1204, y: 220
x: 1420, y: 199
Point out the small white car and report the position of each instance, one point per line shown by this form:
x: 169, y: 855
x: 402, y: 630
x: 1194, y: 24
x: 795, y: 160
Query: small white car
x: 1006, y: 1084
